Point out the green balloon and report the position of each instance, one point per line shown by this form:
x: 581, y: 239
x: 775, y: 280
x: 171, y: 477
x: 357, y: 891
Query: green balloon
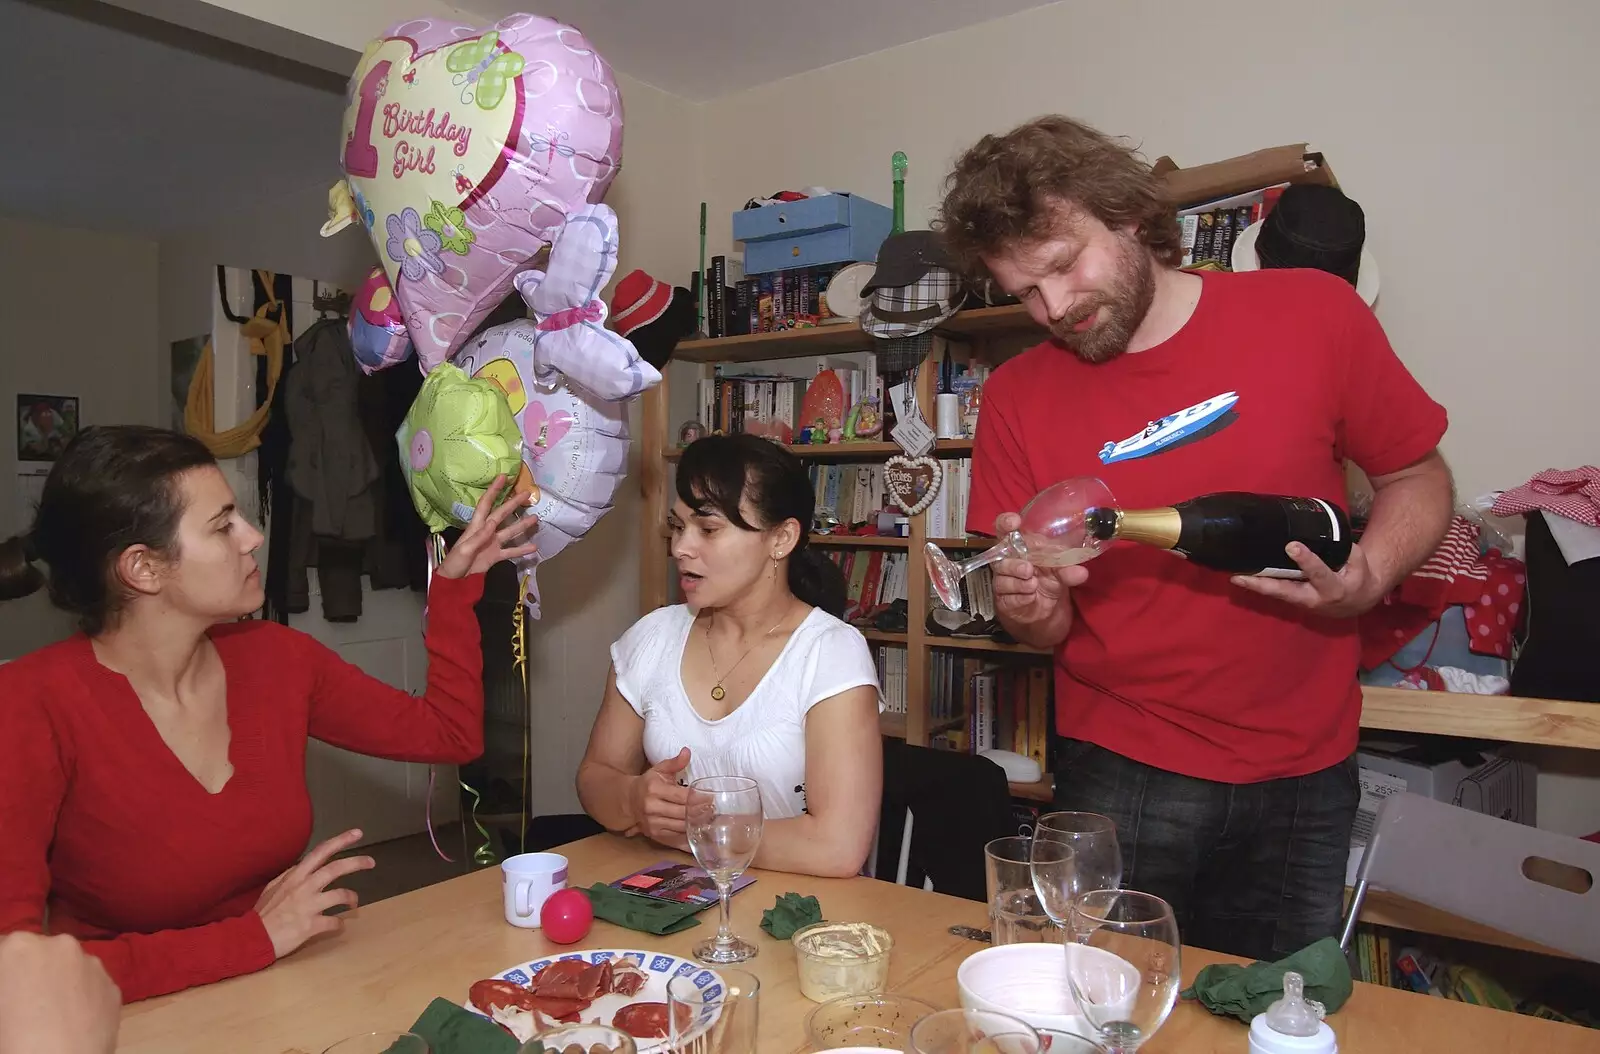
x: 457, y: 437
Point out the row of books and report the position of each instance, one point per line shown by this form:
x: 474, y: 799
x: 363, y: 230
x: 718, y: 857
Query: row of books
x: 855, y: 495
x: 892, y: 661
x: 983, y: 705
x: 874, y: 579
x: 737, y: 399
x: 1388, y: 957
x: 1209, y: 230
x: 737, y: 305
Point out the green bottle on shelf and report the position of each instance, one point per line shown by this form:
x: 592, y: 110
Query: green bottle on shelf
x: 898, y: 162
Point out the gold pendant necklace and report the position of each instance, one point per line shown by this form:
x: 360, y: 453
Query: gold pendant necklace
x: 717, y: 691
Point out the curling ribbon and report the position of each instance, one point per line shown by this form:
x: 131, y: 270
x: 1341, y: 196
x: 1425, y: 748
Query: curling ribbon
x: 483, y: 856
x: 519, y: 662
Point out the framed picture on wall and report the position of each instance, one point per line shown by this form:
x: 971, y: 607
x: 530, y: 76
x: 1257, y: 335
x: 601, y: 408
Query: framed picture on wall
x: 45, y: 425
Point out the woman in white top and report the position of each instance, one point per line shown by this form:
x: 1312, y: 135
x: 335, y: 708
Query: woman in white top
x: 754, y: 676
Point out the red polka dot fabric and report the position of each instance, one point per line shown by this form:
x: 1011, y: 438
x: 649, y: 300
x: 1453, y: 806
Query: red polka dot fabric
x: 1489, y: 587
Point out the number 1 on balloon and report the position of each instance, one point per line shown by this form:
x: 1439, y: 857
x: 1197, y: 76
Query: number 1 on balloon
x: 360, y: 156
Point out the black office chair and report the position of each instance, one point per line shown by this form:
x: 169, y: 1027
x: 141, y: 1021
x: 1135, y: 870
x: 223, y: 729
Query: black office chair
x: 940, y: 808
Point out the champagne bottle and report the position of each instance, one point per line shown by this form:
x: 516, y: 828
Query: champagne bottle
x: 1234, y: 531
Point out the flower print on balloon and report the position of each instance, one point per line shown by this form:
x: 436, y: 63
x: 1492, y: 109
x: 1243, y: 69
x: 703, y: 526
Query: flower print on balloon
x: 413, y: 247
x: 450, y: 224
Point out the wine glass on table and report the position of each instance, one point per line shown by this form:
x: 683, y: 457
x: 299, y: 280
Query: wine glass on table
x: 1054, y: 533
x: 1073, y: 853
x: 1123, y: 964
x: 724, y: 821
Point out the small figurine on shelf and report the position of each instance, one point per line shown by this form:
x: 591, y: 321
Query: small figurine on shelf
x: 864, y: 421
x: 818, y: 434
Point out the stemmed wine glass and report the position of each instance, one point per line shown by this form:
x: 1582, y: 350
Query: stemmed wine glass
x: 724, y: 820
x: 1073, y: 853
x: 1122, y: 964
x: 1054, y: 533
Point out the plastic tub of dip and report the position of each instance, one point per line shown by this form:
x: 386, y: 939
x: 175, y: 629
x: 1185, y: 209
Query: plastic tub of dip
x: 842, y: 958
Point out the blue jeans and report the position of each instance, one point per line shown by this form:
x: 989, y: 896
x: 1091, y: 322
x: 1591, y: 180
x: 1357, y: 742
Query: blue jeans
x: 1251, y: 869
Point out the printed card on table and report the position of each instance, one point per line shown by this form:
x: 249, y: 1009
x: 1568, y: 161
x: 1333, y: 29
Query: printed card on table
x: 679, y: 883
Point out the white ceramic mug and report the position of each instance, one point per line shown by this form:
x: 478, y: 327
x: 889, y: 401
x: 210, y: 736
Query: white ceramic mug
x: 527, y: 882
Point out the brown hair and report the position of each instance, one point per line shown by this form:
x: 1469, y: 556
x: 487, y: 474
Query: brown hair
x: 1005, y: 191
x: 113, y: 486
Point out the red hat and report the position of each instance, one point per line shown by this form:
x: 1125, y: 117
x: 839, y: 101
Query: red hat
x: 638, y: 301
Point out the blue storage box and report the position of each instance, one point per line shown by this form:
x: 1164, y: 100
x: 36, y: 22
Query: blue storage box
x: 833, y: 228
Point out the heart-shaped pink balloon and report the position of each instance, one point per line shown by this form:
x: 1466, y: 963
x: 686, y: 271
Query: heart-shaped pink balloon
x: 465, y: 149
x: 542, y: 430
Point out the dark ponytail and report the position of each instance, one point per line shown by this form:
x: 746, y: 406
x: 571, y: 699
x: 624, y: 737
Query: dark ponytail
x: 18, y: 574
x: 720, y: 471
x: 817, y: 580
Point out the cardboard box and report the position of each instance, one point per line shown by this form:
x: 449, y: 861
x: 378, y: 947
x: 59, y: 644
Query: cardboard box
x: 1446, y: 770
x: 1235, y: 175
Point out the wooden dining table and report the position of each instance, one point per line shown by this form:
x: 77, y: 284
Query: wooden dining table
x: 397, y: 955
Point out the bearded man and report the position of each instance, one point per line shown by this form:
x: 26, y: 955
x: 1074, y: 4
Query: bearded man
x: 1214, y: 719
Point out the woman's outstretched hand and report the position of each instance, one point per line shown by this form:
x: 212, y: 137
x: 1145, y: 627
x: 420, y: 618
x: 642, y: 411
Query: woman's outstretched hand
x: 487, y: 540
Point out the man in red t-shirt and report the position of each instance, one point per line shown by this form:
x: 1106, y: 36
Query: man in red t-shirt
x: 1214, y: 718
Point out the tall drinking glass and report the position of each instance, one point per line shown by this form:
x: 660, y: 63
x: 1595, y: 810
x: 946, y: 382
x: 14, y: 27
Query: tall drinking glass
x: 1122, y: 964
x: 724, y: 821
x: 1054, y: 533
x: 1015, y: 914
x: 720, y: 1018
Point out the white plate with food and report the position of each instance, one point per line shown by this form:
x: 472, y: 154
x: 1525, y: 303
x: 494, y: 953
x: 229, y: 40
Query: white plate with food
x: 626, y: 989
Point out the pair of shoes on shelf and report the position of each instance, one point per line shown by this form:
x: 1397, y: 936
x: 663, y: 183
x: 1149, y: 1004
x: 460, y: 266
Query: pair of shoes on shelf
x: 942, y: 622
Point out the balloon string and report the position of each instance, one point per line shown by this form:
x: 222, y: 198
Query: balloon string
x: 427, y: 815
x: 435, y: 551
x: 519, y: 651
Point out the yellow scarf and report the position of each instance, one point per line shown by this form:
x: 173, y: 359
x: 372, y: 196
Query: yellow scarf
x: 267, y: 338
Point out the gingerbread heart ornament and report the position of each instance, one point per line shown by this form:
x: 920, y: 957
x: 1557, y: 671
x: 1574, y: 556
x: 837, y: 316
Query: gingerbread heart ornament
x: 913, y: 482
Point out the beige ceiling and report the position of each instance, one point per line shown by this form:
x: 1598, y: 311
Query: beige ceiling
x: 700, y: 49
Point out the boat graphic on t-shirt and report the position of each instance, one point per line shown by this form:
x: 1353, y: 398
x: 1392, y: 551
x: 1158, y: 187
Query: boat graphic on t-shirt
x: 1165, y: 433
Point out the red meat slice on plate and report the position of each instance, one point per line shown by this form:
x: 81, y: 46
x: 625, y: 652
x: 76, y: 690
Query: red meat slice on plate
x: 642, y: 1020
x: 626, y: 978
x: 564, y: 1010
x: 561, y: 980
x: 490, y: 993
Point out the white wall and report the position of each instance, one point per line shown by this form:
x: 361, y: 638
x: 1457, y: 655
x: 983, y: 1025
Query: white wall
x: 1463, y: 128
x: 77, y: 317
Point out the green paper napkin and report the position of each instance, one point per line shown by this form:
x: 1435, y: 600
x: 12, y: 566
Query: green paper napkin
x: 791, y: 912
x: 645, y: 914
x: 1245, y: 991
x: 453, y: 1029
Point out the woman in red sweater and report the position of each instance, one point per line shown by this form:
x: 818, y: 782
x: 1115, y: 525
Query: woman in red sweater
x: 153, y: 799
